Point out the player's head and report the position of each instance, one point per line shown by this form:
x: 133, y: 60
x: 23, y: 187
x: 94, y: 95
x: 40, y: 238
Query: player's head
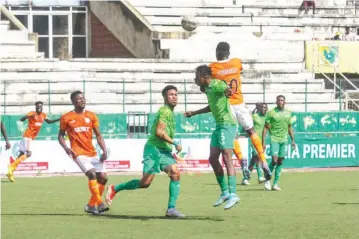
x: 222, y: 51
x: 78, y: 99
x: 263, y: 108
x: 280, y: 101
x: 38, y: 106
x: 203, y: 73
x: 169, y: 94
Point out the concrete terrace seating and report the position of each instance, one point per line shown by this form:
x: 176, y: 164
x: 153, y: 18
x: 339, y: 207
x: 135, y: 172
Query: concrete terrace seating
x: 246, y: 16
x: 123, y: 85
x: 15, y: 43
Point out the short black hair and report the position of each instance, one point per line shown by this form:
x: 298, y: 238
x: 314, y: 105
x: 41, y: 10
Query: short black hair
x: 264, y: 104
x: 203, y: 70
x: 167, y: 88
x: 279, y: 96
x: 223, y: 48
x: 74, y: 94
x: 39, y: 102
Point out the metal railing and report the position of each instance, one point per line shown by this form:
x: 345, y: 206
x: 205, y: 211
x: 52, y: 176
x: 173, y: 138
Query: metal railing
x: 149, y: 94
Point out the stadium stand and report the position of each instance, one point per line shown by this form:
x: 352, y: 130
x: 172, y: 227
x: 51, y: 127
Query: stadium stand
x: 273, y: 60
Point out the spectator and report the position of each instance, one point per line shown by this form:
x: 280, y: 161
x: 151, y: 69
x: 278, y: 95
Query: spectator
x: 348, y: 36
x: 307, y: 4
x: 357, y: 35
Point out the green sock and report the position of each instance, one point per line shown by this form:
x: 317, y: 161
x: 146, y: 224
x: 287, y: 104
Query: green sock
x: 130, y: 185
x: 259, y: 171
x: 221, y: 180
x: 174, y: 192
x: 232, y: 182
x: 278, y: 170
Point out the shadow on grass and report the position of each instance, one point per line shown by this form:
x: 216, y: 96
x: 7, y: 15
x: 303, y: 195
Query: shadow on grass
x: 112, y: 216
x: 145, y: 218
x: 241, y: 187
x: 346, y: 203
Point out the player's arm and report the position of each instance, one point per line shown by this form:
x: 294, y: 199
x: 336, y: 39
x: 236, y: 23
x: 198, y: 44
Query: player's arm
x: 51, y: 121
x: 24, y: 118
x: 61, y: 139
x: 291, y: 132
x: 204, y: 110
x: 4, y: 134
x: 264, y: 134
x: 162, y: 134
x: 101, y: 142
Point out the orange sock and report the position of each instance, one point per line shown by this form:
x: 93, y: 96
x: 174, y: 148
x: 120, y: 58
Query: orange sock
x: 257, y: 143
x: 101, y: 188
x: 95, y: 193
x: 18, y: 161
x: 237, y: 150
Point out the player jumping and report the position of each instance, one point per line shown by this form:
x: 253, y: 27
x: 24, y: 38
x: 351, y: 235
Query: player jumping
x: 79, y: 124
x: 279, y: 124
x: 157, y: 154
x: 35, y: 118
x: 229, y: 70
x: 224, y: 134
x: 258, y: 121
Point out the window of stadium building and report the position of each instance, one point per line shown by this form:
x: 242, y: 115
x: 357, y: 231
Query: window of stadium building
x: 62, y: 29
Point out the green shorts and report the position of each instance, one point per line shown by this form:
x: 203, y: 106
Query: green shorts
x: 279, y: 149
x: 155, y: 161
x: 223, y: 136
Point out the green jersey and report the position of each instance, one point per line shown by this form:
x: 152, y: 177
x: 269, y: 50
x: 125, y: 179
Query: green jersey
x: 279, y: 120
x: 259, y: 121
x: 219, y: 103
x: 166, y: 115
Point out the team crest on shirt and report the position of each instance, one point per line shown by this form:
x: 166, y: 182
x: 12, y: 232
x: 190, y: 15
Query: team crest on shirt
x: 87, y: 120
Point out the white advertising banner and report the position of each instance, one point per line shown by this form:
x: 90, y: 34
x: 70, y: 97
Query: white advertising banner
x: 123, y: 155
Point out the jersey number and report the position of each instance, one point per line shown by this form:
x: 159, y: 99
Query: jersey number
x: 234, y: 85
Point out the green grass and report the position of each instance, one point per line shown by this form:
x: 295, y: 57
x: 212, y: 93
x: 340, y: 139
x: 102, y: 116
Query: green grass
x: 311, y: 205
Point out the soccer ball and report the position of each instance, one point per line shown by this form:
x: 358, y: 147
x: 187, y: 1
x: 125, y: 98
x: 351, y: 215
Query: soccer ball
x: 189, y: 23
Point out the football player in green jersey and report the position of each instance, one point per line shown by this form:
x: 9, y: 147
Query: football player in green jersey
x: 157, y: 154
x: 222, y: 139
x: 279, y: 124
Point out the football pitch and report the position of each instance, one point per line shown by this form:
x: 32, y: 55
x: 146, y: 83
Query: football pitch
x: 311, y: 205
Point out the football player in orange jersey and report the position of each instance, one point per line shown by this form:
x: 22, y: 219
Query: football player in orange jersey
x: 79, y: 124
x: 35, y: 118
x: 229, y: 70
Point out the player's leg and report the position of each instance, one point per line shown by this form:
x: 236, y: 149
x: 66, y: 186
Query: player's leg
x: 243, y: 162
x: 214, y: 154
x: 274, y: 153
x: 244, y: 118
x: 102, y: 179
x: 281, y: 155
x: 227, y: 134
x: 168, y: 165
x: 150, y: 167
x: 87, y: 167
x: 254, y: 164
x: 24, y: 149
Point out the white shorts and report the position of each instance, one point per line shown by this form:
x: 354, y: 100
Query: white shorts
x: 243, y: 116
x: 86, y: 163
x: 24, y: 144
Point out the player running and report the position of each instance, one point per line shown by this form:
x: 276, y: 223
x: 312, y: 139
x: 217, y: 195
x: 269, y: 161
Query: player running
x: 224, y: 134
x: 258, y: 121
x: 4, y: 134
x: 157, y: 154
x: 36, y: 119
x: 229, y: 70
x: 78, y: 124
x: 279, y: 124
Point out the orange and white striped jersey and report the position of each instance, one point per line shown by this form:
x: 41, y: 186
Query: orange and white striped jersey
x: 230, y: 72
